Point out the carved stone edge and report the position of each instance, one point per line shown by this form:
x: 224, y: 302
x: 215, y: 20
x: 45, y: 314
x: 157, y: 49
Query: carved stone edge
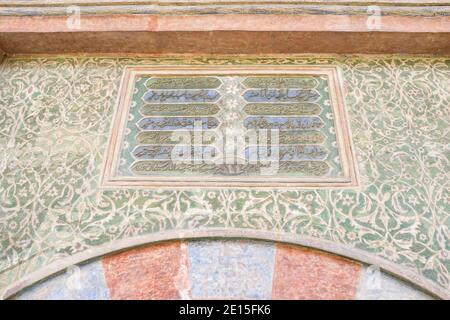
x: 396, y: 8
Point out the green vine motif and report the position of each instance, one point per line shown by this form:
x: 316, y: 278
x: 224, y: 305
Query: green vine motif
x: 55, y: 120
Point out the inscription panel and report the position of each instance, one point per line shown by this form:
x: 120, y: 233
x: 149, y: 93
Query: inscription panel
x: 230, y: 126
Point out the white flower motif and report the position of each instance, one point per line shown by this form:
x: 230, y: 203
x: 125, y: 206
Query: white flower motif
x: 352, y: 236
x: 347, y: 200
x: 232, y: 89
x: 12, y: 225
x: 231, y: 104
x: 447, y: 199
x: 117, y: 195
x: 232, y: 116
x: 23, y: 193
x: 413, y: 200
x: 444, y: 254
x: 423, y: 237
x: 242, y: 195
x: 211, y: 195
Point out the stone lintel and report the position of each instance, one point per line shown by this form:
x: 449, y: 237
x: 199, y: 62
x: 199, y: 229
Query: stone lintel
x: 224, y: 34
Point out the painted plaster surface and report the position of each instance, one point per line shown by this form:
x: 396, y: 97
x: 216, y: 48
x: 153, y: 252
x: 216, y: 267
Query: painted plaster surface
x: 85, y: 282
x: 231, y: 269
x: 149, y: 273
x: 55, y: 120
x: 309, y: 274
